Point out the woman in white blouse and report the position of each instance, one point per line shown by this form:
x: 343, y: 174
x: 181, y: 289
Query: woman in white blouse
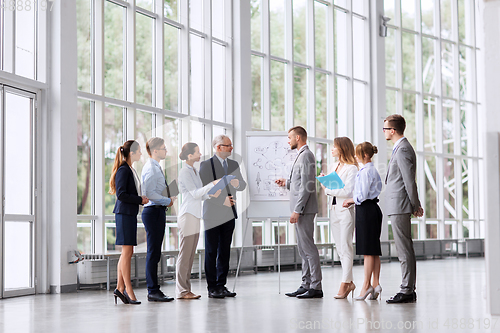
x: 341, y: 218
x: 193, y: 192
x: 367, y: 188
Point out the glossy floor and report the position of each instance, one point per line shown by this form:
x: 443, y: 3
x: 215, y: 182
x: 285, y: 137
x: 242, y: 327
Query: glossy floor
x: 450, y: 299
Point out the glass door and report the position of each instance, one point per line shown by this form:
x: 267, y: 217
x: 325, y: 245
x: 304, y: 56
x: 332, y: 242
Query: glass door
x: 17, y: 170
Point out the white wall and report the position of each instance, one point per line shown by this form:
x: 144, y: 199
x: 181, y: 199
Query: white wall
x: 61, y: 177
x: 488, y: 29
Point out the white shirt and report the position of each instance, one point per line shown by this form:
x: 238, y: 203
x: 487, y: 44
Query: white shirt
x: 397, y: 143
x: 221, y: 160
x: 192, y: 190
x: 348, y: 176
x: 368, y: 184
x: 137, y: 182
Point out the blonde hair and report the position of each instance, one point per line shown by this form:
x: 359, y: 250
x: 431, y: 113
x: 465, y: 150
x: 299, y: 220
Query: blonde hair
x: 152, y: 144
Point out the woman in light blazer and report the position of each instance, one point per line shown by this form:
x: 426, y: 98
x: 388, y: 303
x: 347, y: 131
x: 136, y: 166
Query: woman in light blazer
x: 341, y: 218
x: 193, y: 192
x: 125, y: 183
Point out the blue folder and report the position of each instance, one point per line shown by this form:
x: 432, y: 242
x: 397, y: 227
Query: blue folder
x: 331, y: 181
x: 221, y: 184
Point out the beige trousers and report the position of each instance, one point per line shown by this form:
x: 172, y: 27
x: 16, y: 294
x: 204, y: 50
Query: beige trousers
x: 189, y: 231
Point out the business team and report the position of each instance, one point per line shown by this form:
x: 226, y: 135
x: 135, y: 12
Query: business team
x: 354, y: 206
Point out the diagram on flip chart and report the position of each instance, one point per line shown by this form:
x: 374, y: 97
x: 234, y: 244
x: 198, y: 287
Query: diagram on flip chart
x: 269, y: 158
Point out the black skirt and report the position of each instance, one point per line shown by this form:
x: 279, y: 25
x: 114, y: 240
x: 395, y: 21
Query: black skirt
x: 126, y: 229
x: 368, y: 228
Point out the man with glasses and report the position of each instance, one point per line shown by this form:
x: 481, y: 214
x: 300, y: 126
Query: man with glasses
x: 153, y: 216
x: 219, y: 215
x: 402, y: 201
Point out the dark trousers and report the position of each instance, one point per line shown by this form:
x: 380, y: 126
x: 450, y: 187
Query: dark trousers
x: 154, y: 223
x: 217, y: 251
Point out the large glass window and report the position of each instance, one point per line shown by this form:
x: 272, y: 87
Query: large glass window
x: 437, y: 71
x: 171, y: 78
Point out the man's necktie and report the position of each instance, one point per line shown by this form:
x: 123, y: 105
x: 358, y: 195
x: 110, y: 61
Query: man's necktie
x: 224, y: 164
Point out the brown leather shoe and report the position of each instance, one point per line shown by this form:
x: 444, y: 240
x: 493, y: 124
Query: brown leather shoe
x: 189, y: 295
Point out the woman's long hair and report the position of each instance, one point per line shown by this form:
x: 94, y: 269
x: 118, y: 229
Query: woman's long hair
x: 122, y: 156
x: 346, y: 150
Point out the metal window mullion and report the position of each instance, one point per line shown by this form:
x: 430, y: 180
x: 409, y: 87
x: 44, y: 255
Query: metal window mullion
x: 457, y: 120
x: 159, y: 49
x: 9, y: 40
x: 228, y: 75
x: 283, y: 60
x: 129, y: 114
x: 208, y: 63
x: 130, y: 31
x: 419, y: 115
x: 42, y: 39
x: 266, y: 66
x: 184, y: 59
x: 99, y: 238
x: 367, y: 111
x: 330, y: 66
x: 98, y: 231
x: 399, y: 57
x: 439, y: 121
x: 311, y: 75
x: 350, y: 72
x: 289, y: 69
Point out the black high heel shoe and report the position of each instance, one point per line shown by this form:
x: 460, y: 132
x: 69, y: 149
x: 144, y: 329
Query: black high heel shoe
x: 119, y: 295
x: 129, y: 300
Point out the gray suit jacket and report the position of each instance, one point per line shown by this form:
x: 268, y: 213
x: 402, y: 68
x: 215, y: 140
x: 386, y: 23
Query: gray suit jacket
x: 302, y: 184
x: 401, y: 191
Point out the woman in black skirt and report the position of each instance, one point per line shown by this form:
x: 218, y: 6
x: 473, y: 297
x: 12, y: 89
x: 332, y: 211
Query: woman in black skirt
x: 126, y: 184
x: 367, y: 188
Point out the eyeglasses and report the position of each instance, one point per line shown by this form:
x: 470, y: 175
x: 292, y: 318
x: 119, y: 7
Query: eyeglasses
x: 226, y: 145
x: 388, y: 128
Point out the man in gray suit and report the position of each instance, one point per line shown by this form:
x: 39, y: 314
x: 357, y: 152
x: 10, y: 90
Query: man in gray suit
x: 304, y: 206
x: 401, y: 202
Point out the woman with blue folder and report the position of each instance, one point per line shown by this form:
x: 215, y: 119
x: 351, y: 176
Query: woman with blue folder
x: 342, y: 218
x: 193, y: 192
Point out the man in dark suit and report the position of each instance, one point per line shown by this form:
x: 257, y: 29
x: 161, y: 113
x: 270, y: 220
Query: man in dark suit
x: 219, y: 215
x: 401, y: 201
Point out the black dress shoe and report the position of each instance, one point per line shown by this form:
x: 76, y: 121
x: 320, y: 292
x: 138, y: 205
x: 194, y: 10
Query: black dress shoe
x: 130, y: 301
x: 402, y: 298
x: 299, y: 291
x: 227, y: 293
x: 311, y: 293
x: 159, y: 296
x: 215, y: 294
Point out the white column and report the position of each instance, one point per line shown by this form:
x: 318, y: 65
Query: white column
x: 242, y: 102
x: 378, y: 95
x: 61, y: 163
x: 488, y: 69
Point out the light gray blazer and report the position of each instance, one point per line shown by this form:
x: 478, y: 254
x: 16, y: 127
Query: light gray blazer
x: 401, y: 189
x: 302, y: 184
